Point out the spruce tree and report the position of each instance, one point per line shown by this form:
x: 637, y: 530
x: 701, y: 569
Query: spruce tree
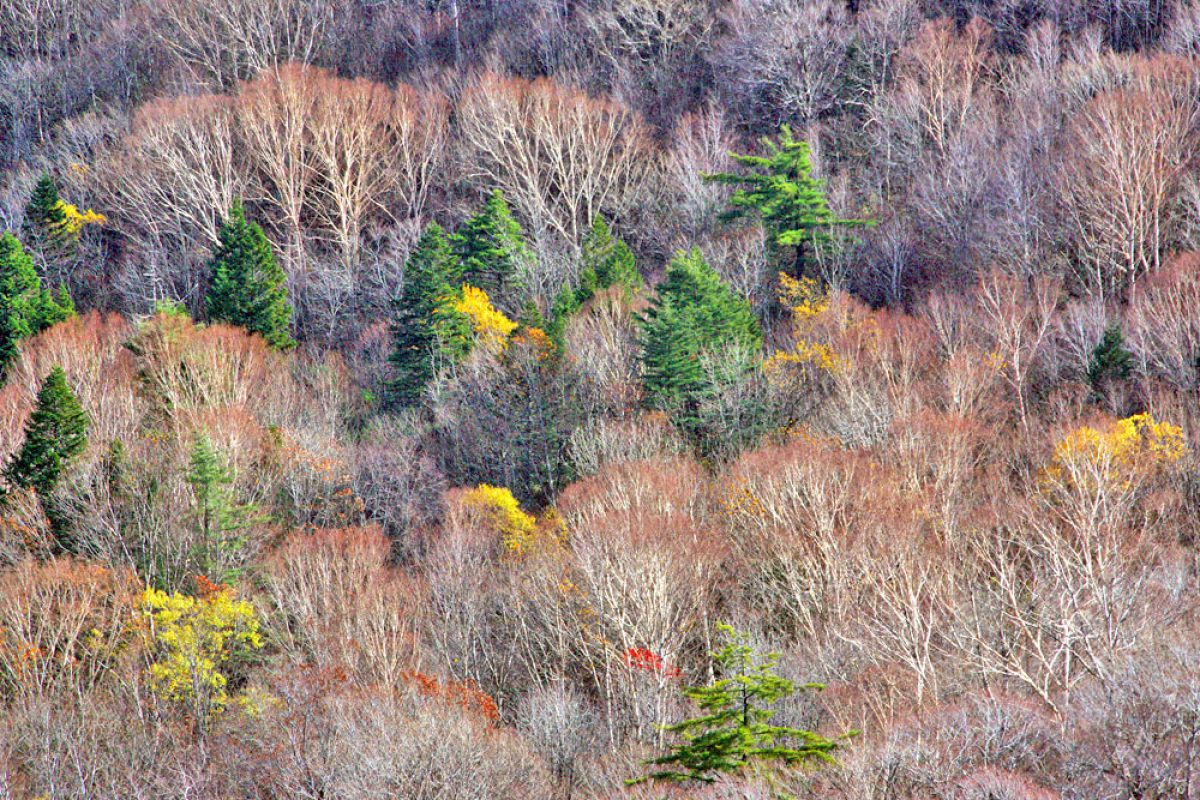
x: 1110, y: 360
x: 606, y: 260
x: 25, y: 307
x: 55, y: 434
x: 734, y: 731
x: 248, y: 287
x: 425, y: 329
x: 45, y: 218
x: 692, y: 313
x: 217, y: 514
x: 493, y: 253
x: 779, y: 189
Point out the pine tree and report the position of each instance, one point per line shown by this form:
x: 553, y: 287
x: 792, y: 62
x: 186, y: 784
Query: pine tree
x: 248, y: 287
x: 55, y: 434
x: 217, y: 514
x: 425, y: 329
x: 25, y: 307
x: 693, y: 312
x: 45, y: 216
x: 1110, y: 360
x: 780, y: 189
x: 492, y: 249
x: 734, y: 731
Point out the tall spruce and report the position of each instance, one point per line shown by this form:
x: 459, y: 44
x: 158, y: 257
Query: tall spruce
x: 491, y: 247
x: 25, y: 307
x: 734, y: 731
x: 218, y: 515
x: 55, y: 434
x: 605, y: 261
x: 46, y: 225
x: 425, y: 329
x: 779, y: 188
x: 692, y: 313
x: 1110, y: 360
x: 248, y: 287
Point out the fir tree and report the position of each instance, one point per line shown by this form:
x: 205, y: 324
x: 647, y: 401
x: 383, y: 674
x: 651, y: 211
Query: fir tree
x: 780, y: 189
x: 25, y: 307
x: 425, y: 329
x: 248, y: 287
x: 493, y: 253
x: 55, y: 434
x: 606, y: 261
x: 45, y: 216
x: 217, y: 514
x: 1110, y: 360
x: 692, y: 313
x: 734, y: 731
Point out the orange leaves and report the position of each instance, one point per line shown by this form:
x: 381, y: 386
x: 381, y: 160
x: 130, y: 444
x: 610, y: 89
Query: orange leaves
x: 464, y: 694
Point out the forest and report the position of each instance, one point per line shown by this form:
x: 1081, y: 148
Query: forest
x: 588, y: 399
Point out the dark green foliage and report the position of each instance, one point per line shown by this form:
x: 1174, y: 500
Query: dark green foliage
x: 780, y: 190
x: 1110, y: 360
x: 493, y: 254
x: 693, y: 314
x: 25, y: 307
x: 217, y: 514
x: 605, y: 261
x: 45, y: 219
x: 734, y: 730
x: 248, y: 287
x: 55, y: 434
x: 425, y: 330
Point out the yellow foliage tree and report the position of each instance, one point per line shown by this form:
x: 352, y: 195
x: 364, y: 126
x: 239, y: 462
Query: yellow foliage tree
x: 808, y: 303
x: 1090, y: 459
x: 192, y: 640
x: 491, y: 327
x: 74, y: 220
x: 520, y: 532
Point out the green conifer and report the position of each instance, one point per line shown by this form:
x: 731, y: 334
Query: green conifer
x: 780, y: 189
x: 493, y: 253
x: 216, y: 512
x: 693, y: 312
x: 45, y: 219
x: 55, y: 434
x: 1110, y: 360
x: 734, y: 731
x: 25, y: 307
x: 606, y: 261
x: 426, y: 330
x: 248, y: 287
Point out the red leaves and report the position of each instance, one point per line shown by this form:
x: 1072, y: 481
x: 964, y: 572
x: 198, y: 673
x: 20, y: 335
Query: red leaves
x: 645, y: 659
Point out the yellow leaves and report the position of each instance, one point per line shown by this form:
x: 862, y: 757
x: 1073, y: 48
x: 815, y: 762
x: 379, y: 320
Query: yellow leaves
x: 193, y: 637
x: 816, y: 354
x: 74, y: 220
x: 491, y: 327
x: 804, y: 297
x: 520, y: 532
x: 1092, y: 459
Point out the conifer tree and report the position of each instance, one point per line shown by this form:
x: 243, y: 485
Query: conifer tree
x: 25, y: 307
x: 248, y: 287
x: 1110, y: 360
x: 692, y: 313
x: 45, y: 216
x: 493, y: 253
x: 425, y: 329
x: 734, y: 731
x: 780, y: 189
x: 55, y: 434
x: 217, y: 514
x: 605, y: 261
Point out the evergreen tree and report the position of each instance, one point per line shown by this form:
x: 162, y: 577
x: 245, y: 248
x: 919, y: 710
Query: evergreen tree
x: 780, y: 189
x: 692, y: 313
x: 248, y: 287
x: 1110, y: 360
x: 25, y: 307
x: 217, y: 514
x: 735, y: 731
x: 606, y: 261
x: 493, y: 253
x: 45, y: 216
x: 55, y: 434
x: 425, y: 329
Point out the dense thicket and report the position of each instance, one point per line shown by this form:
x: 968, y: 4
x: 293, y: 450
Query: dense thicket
x: 448, y: 375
